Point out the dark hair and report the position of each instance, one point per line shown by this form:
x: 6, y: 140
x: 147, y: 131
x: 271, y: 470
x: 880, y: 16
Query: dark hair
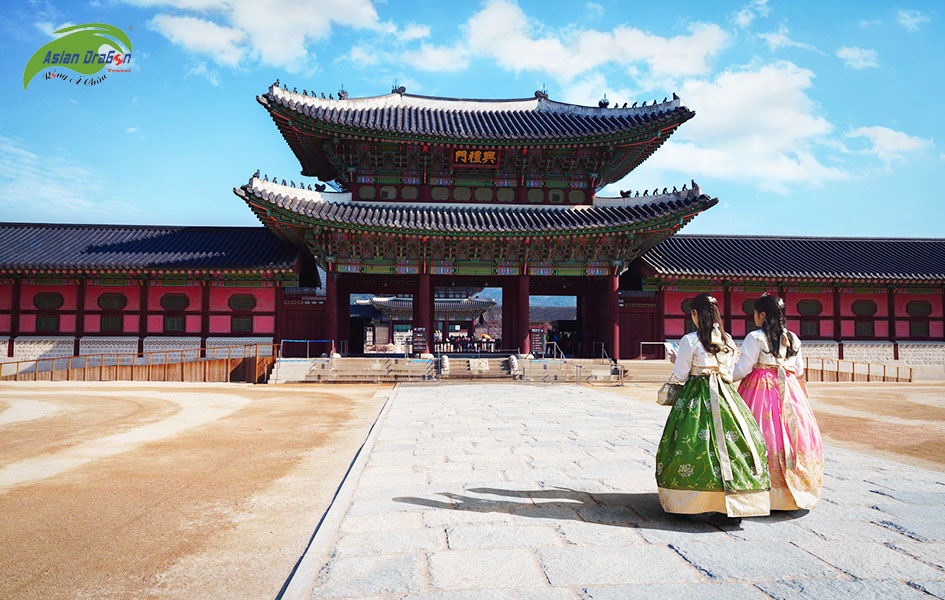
x: 774, y: 325
x: 708, y: 316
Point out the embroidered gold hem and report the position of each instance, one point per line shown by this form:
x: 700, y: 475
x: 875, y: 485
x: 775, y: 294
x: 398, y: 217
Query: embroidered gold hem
x: 733, y: 504
x: 784, y: 498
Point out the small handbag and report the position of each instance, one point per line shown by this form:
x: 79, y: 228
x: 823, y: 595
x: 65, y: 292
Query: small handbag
x: 669, y: 393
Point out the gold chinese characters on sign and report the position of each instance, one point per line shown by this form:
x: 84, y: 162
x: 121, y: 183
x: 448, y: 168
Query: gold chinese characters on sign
x: 475, y: 158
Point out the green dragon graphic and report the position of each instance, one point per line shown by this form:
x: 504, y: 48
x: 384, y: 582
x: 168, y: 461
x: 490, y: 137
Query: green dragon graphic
x: 78, y: 41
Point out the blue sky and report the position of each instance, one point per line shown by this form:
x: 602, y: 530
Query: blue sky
x: 812, y: 118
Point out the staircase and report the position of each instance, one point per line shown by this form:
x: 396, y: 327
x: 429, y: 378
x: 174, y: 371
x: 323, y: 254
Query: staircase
x: 477, y: 368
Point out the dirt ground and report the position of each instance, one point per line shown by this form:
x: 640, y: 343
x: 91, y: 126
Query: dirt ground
x: 899, y: 421
x: 183, y: 491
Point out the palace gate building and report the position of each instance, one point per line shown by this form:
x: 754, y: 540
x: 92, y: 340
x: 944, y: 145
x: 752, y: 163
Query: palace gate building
x: 427, y: 195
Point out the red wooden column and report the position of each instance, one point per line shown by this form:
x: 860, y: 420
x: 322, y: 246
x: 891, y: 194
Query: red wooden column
x: 331, y: 307
x: 891, y: 320
x: 80, y: 315
x: 143, y: 313
x: 423, y: 309
x: 204, y: 314
x: 612, y: 316
x: 509, y: 310
x: 15, y: 315
x: 837, y: 334
x: 344, y: 310
x: 727, y: 307
x: 660, y: 320
x: 522, y: 316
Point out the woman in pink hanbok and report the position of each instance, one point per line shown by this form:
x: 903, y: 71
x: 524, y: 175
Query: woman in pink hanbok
x: 773, y: 392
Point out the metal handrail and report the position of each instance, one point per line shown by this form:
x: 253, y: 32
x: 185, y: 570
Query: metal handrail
x: 556, y: 352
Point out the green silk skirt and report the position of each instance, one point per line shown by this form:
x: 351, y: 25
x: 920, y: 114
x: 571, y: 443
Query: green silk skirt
x: 695, y: 473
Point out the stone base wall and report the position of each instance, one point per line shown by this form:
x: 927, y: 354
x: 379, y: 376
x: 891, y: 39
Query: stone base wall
x: 246, y: 350
x: 922, y: 353
x: 873, y: 352
x: 32, y: 347
x: 820, y: 349
x: 190, y: 346
x: 108, y: 345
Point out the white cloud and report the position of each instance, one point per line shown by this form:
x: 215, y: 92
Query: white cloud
x: 911, y: 19
x: 68, y: 186
x: 414, y: 32
x: 594, y: 9
x: 858, y: 58
x: 275, y: 32
x: 363, y: 56
x: 588, y: 90
x: 131, y: 130
x: 887, y: 144
x: 747, y: 14
x: 47, y: 28
x: 780, y: 38
x: 200, y: 69
x: 437, y: 58
x: 867, y: 23
x: 223, y: 44
x: 503, y: 32
x: 754, y: 125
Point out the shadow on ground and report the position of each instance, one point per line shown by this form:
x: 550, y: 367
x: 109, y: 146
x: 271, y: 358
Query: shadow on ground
x: 641, y: 510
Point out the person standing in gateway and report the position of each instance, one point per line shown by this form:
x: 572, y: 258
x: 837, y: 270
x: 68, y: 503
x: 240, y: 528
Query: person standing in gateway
x: 712, y: 455
x: 772, y: 390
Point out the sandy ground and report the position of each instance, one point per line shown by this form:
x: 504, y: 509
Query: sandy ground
x: 898, y: 421
x: 183, y: 491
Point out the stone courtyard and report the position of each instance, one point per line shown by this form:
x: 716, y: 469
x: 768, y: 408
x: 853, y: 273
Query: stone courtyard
x: 497, y: 491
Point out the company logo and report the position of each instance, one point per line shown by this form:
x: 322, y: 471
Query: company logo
x: 85, y: 49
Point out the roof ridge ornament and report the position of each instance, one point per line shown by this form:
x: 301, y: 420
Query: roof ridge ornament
x: 603, y: 102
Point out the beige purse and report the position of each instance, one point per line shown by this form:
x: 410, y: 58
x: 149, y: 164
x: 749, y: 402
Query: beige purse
x: 669, y: 393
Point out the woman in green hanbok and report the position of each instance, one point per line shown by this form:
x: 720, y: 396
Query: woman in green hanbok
x: 712, y: 455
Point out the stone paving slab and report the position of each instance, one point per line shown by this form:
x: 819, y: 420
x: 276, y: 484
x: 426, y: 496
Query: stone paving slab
x: 528, y: 491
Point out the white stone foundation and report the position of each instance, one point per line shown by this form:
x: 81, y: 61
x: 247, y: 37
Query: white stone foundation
x: 190, y: 346
x: 246, y: 349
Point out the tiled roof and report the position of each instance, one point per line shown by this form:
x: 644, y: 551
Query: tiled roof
x: 338, y: 209
x: 528, y: 118
x: 51, y: 246
x: 799, y: 257
x: 548, y: 314
x: 440, y: 304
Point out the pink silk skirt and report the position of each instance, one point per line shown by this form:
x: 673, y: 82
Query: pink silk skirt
x: 793, y: 486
